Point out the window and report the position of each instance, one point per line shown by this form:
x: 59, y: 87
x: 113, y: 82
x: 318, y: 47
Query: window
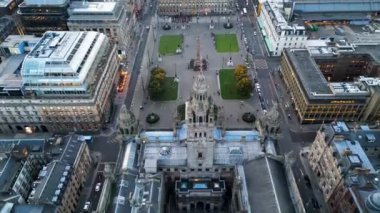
x: 200, y: 155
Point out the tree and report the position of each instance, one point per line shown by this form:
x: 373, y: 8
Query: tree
x: 154, y: 87
x: 158, y: 70
x: 244, y: 85
x: 155, y: 82
x: 159, y: 76
x: 240, y: 72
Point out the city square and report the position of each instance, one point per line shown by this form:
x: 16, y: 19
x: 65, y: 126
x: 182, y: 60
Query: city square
x: 177, y: 65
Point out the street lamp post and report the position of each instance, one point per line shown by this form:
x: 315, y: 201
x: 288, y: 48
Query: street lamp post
x: 175, y: 70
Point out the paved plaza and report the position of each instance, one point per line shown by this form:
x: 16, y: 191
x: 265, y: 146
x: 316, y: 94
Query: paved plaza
x: 177, y: 65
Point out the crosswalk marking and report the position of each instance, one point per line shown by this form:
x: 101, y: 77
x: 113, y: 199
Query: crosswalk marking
x: 261, y: 64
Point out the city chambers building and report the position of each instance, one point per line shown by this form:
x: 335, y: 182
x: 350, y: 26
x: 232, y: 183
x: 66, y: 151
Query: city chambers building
x: 64, y: 83
x: 195, y: 8
x: 338, y: 82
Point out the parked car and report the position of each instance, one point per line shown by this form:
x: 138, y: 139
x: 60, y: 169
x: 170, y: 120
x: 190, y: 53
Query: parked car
x: 86, y: 207
x: 97, y: 187
x: 315, y: 203
x: 307, y: 180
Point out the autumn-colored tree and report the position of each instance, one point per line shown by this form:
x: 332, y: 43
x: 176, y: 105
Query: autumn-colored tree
x: 158, y: 70
x: 155, y: 82
x: 159, y: 76
x: 244, y: 85
x: 240, y: 72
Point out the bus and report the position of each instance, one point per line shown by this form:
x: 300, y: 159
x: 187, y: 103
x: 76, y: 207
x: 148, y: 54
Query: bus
x: 245, y: 10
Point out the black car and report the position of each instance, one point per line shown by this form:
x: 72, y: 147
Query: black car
x: 315, y: 203
x: 307, y: 181
x: 263, y: 106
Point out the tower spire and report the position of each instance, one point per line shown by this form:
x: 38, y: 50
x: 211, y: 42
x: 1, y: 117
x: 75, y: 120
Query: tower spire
x: 198, y: 58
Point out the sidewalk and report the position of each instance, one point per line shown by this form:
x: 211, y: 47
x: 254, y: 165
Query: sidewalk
x: 131, y: 52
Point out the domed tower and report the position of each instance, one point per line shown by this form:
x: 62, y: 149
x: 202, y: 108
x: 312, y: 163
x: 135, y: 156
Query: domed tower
x: 373, y: 202
x: 200, y: 123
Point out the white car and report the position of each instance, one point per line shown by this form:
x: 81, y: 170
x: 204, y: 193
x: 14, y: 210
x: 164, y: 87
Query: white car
x: 86, y: 207
x: 254, y: 33
x: 97, y: 187
x: 257, y: 85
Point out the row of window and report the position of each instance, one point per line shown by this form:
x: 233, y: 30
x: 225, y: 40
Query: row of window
x: 199, y: 169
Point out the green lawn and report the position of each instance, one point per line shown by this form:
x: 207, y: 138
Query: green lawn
x: 226, y: 43
x: 169, y: 92
x: 228, y: 85
x: 169, y: 44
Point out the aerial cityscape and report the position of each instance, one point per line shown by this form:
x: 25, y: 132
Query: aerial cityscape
x: 189, y: 106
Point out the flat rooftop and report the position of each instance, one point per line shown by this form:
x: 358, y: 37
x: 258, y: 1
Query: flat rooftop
x: 92, y: 7
x: 199, y: 184
x: 353, y: 34
x: 358, y: 155
x: 10, y: 71
x: 308, y: 72
x: 46, y: 2
x: 329, y: 16
x: 62, y: 52
x: 166, y: 154
x: 315, y: 84
x: 15, y: 40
